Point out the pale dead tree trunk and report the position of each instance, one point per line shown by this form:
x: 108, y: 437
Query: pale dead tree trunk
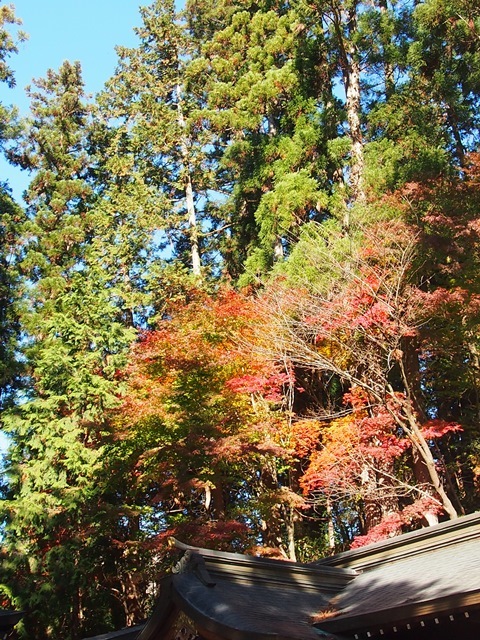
x: 278, y: 252
x: 214, y: 500
x: 189, y: 198
x: 350, y: 66
x: 353, y: 116
x: 330, y: 526
x: 290, y: 528
x: 77, y: 616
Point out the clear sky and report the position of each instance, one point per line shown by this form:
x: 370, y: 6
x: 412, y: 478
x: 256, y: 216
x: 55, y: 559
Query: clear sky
x: 58, y: 30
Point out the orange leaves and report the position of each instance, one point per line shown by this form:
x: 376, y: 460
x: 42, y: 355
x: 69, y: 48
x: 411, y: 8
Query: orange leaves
x: 335, y: 466
x: 202, y: 408
x: 357, y: 397
x: 198, y: 345
x: 305, y: 437
x: 362, y: 444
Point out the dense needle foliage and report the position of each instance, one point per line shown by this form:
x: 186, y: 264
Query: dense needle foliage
x: 240, y: 302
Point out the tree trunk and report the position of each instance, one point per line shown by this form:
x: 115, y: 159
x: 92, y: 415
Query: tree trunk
x: 420, y: 445
x: 273, y: 524
x: 290, y: 527
x: 330, y: 526
x: 350, y: 66
x: 352, y: 87
x: 424, y: 465
x: 77, y: 613
x: 189, y: 198
x: 132, y: 598
x: 193, y: 226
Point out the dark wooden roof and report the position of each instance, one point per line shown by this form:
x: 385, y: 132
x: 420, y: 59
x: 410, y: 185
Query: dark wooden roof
x: 130, y: 633
x: 372, y: 591
x: 414, y: 577
x: 247, y: 598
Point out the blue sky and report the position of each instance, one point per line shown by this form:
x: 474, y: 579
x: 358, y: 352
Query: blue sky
x: 58, y: 30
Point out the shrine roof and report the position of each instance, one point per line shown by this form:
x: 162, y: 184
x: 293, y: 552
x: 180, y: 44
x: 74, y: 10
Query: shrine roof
x: 254, y: 598
x: 358, y: 594
x: 424, y: 573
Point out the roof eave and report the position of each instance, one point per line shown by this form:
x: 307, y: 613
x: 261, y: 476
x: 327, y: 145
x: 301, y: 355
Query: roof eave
x: 410, y: 612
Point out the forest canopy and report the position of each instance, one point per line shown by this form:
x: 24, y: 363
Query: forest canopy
x: 240, y: 301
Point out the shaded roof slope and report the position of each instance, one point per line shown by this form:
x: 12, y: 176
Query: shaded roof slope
x: 419, y: 574
x: 361, y: 593
x: 247, y: 598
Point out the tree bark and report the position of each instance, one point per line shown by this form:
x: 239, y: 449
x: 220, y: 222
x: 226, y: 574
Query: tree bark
x: 189, y: 197
x: 350, y: 67
x: 424, y: 465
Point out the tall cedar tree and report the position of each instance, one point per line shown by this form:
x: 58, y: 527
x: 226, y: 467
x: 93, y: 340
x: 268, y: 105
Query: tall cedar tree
x: 61, y: 520
x: 160, y: 137
x: 11, y: 217
x: 268, y: 133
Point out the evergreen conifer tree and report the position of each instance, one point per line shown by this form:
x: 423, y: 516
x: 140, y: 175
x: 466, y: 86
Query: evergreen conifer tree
x: 57, y: 510
x: 11, y: 216
x: 156, y: 103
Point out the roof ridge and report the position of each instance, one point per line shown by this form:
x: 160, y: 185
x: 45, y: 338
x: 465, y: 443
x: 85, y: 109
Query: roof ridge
x: 239, y: 568
x: 411, y: 543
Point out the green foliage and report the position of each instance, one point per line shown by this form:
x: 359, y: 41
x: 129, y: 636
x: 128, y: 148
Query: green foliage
x: 11, y: 217
x: 323, y: 155
x: 74, y: 345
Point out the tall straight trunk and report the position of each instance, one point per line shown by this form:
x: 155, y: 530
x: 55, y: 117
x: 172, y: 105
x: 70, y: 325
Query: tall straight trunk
x: 345, y: 24
x: 290, y: 528
x: 330, y: 525
x: 132, y: 588
x: 193, y: 227
x: 278, y: 253
x: 189, y: 198
x: 77, y: 614
x: 352, y: 89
